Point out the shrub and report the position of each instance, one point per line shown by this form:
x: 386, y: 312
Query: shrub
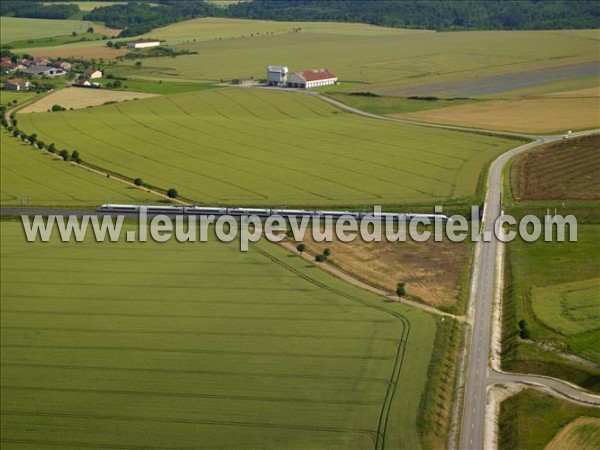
x: 52, y: 148
x: 320, y: 258
x: 172, y: 193
x: 138, y: 182
x: 75, y: 156
x: 327, y: 252
x: 64, y: 154
x: 300, y: 248
x: 401, y: 289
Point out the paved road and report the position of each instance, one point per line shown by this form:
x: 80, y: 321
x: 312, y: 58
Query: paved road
x: 478, y: 375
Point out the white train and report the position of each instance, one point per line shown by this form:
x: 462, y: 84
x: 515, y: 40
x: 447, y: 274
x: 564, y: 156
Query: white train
x: 264, y: 212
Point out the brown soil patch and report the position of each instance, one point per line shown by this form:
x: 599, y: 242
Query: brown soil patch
x: 565, y: 170
x: 78, y: 52
x: 78, y: 98
x: 533, y: 115
x: 431, y: 270
x: 581, y: 434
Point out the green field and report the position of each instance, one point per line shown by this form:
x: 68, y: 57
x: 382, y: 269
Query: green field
x: 530, y: 419
x: 32, y: 177
x: 248, y: 146
x: 7, y: 97
x: 390, y: 61
x: 19, y: 29
x: 569, y: 308
x: 157, y: 87
x: 87, y: 6
x: 200, y: 346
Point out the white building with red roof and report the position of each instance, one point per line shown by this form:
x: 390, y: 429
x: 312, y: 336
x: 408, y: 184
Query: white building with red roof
x: 311, y: 78
x: 17, y: 84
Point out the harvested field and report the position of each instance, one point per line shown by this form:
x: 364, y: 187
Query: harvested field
x: 581, y: 434
x: 17, y: 28
x: 431, y: 270
x: 78, y: 98
x: 569, y: 169
x: 529, y: 115
x: 84, y: 50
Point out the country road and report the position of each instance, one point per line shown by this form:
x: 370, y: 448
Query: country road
x: 478, y: 373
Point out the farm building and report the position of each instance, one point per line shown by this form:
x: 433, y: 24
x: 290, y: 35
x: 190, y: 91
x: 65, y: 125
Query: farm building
x: 277, y: 75
x: 143, y: 43
x: 311, y: 78
x: 44, y: 71
x: 17, y: 84
x: 92, y: 73
x: 62, y: 65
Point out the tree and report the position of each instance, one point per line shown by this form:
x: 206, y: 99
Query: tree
x: 75, y: 156
x: 300, y: 248
x: 16, y: 132
x: 74, y: 33
x: 525, y: 333
x: 327, y: 252
x: 320, y: 258
x: 52, y: 148
x: 64, y: 154
x: 109, y: 43
x: 138, y: 64
x: 41, y: 145
x: 32, y: 138
x: 172, y: 193
x: 90, y: 30
x: 400, y: 289
x: 138, y: 182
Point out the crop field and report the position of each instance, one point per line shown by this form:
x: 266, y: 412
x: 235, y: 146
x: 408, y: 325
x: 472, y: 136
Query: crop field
x: 198, y: 345
x: 534, y: 115
x: 566, y: 170
x: 18, y: 29
x: 433, y: 271
x: 392, y: 62
x: 34, y: 178
x: 244, y: 146
x: 543, y: 270
x: 87, y: 6
x: 78, y: 98
x: 581, y: 434
x: 533, y: 420
x: 569, y: 308
x: 7, y: 97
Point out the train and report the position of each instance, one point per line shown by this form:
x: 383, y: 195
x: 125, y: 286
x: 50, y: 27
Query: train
x: 265, y: 212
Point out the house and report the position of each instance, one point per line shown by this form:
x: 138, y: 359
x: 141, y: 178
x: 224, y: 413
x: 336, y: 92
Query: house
x: 17, y: 84
x: 277, y: 75
x: 143, y: 43
x: 7, y: 67
x: 311, y: 78
x: 40, y: 61
x: 92, y: 73
x: 82, y: 82
x: 64, y: 65
x: 44, y: 71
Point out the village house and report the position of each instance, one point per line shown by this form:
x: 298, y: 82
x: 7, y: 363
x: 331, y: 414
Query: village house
x: 92, y: 73
x: 17, y: 84
x: 64, y: 65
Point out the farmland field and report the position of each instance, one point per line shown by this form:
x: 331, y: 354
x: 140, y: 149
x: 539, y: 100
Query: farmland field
x: 7, y: 97
x: 34, y: 178
x: 198, y: 345
x: 242, y: 146
x: 530, y: 420
x: 392, y: 61
x: 78, y: 98
x: 581, y: 434
x: 566, y: 170
x: 18, y: 29
x: 569, y: 308
x: 550, y: 114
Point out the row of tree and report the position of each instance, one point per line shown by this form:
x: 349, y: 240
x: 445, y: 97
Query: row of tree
x: 37, y: 9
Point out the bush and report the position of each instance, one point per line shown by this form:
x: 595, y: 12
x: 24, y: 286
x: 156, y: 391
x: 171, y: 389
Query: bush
x: 138, y: 182
x: 327, y: 252
x: 75, y: 156
x: 52, y: 148
x: 320, y: 258
x: 300, y: 248
x: 64, y: 154
x: 41, y: 145
x: 524, y: 333
x: 172, y: 193
x: 56, y: 108
x: 401, y: 289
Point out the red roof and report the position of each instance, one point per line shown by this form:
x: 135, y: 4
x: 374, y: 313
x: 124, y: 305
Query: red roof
x: 17, y: 81
x: 317, y: 74
x: 91, y: 71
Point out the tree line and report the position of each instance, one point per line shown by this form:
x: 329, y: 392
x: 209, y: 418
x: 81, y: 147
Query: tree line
x: 136, y: 17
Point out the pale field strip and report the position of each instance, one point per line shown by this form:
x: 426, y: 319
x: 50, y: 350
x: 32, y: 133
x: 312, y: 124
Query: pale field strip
x: 78, y: 98
x: 581, y: 434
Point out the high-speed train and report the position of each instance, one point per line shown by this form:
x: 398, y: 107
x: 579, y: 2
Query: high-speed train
x: 265, y: 212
